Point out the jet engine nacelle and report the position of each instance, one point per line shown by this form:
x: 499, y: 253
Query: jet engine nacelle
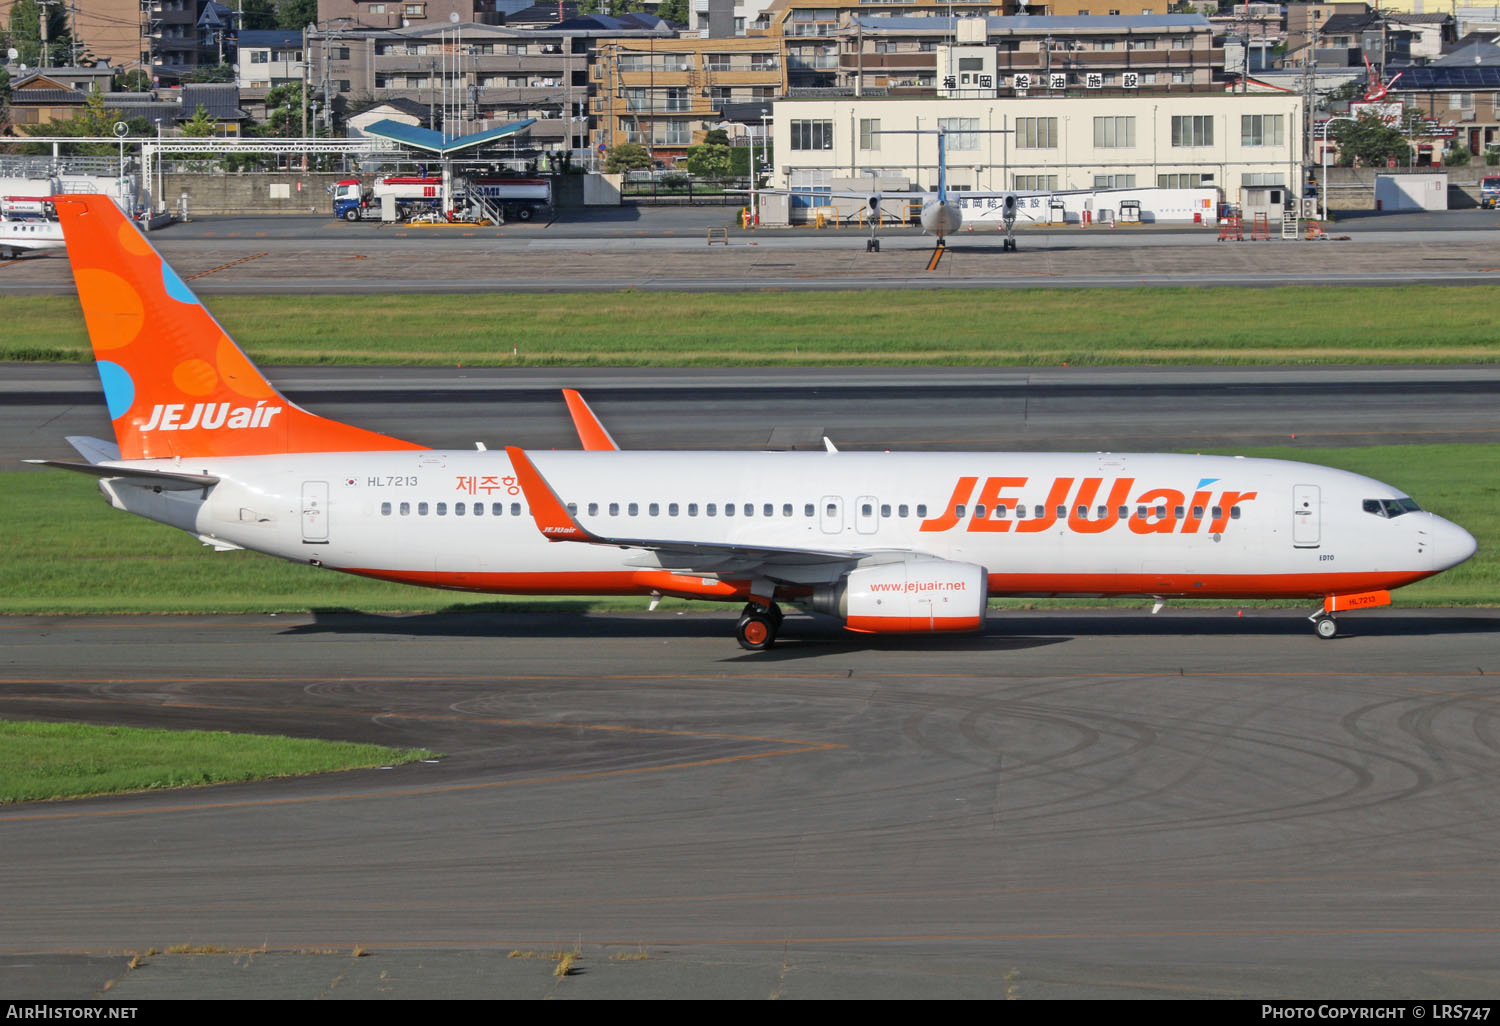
x: 1008, y: 208
x: 872, y: 208
x: 916, y: 596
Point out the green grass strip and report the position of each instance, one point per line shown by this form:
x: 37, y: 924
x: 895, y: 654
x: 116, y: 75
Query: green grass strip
x: 39, y: 761
x: 66, y: 551
x: 1300, y: 325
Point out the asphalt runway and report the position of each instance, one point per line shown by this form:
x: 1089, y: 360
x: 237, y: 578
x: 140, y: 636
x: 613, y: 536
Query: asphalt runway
x: 667, y: 249
x: 1191, y: 805
x: 1056, y: 409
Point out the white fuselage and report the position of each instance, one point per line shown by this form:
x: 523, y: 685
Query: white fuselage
x: 26, y: 234
x: 1080, y: 524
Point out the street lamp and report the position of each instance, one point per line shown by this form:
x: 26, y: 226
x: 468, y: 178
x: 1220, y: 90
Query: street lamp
x: 160, y: 204
x: 1323, y: 179
x: 765, y: 148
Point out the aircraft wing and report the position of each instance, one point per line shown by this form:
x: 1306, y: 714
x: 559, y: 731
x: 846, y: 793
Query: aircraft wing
x: 796, y: 565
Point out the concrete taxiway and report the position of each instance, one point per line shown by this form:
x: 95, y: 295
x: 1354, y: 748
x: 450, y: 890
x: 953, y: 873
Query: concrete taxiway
x: 668, y: 249
x: 1099, y: 805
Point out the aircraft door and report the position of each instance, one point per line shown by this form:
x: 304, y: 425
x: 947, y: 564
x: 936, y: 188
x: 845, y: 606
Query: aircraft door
x: 1307, y: 516
x: 831, y: 514
x: 315, y: 512
x: 866, y: 514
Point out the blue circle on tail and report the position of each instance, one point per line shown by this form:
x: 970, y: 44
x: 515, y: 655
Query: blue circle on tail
x: 119, y: 390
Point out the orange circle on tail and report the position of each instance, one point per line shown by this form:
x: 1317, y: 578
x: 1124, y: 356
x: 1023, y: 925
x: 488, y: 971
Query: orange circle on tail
x: 239, y: 374
x: 132, y: 242
x: 111, y: 306
x: 195, y: 377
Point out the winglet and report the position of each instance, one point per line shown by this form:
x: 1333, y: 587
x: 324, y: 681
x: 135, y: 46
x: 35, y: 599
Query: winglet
x: 590, y: 431
x: 551, y: 516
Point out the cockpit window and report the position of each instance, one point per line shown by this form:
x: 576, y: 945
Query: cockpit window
x: 1390, y: 507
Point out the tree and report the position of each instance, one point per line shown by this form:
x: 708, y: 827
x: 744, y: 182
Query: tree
x: 93, y: 119
x: 673, y: 10
x: 284, y: 110
x: 716, y: 137
x: 1371, y: 141
x: 133, y: 82
x: 201, y: 125
x: 296, y: 14
x: 259, y: 14
x: 626, y: 156
x: 710, y: 160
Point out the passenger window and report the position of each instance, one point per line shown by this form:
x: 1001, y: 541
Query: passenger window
x: 831, y: 509
x: 614, y: 509
x: 885, y: 510
x: 515, y: 509
x: 1123, y: 512
x: 1161, y: 511
x: 633, y: 509
x: 671, y: 509
x: 1234, y: 512
x: 958, y: 511
x: 1062, y: 512
x: 922, y: 510
x: 692, y: 509
x: 421, y: 509
x: 385, y: 509
x: 711, y: 510
x: 729, y: 509
x: 572, y: 509
x: 1218, y: 512
x: 786, y: 509
x: 458, y: 509
x: 654, y: 509
x: 809, y: 510
x: 1176, y: 512
x: 406, y: 509
x: 1103, y: 512
x: 979, y: 512
x: 1083, y: 512
x: 1197, y: 512
x: 593, y: 509
x: 1001, y: 512
x: 901, y: 511
x: 442, y: 509
x: 1039, y: 511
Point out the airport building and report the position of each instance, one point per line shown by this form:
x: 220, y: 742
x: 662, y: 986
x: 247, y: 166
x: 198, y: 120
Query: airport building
x: 1232, y: 142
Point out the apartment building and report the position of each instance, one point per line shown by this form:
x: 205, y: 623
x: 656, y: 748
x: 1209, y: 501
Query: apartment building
x: 667, y: 93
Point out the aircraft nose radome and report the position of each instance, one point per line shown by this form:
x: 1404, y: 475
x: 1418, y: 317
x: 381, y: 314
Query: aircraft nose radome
x: 1451, y: 543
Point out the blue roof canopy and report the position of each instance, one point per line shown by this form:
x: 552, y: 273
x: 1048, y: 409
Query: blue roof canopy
x: 436, y: 142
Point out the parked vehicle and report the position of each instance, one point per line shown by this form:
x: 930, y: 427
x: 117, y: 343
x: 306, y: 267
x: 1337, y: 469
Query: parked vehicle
x: 411, y: 194
x: 1489, y: 191
x: 520, y: 199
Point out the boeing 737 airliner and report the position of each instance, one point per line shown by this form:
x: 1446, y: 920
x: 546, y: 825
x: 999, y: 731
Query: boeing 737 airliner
x: 885, y: 542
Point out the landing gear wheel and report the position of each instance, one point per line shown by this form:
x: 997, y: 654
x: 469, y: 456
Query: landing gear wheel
x: 1010, y: 245
x: 758, y: 627
x: 1326, y: 626
x: 755, y: 632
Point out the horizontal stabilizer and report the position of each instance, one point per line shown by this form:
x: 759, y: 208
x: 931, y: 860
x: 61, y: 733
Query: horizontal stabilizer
x: 95, y: 450
x: 166, y: 480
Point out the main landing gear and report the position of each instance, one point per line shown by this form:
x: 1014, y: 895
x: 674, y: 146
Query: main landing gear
x: 758, y: 626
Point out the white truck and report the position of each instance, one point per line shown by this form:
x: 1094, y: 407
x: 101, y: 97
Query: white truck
x: 389, y: 198
x: 401, y: 197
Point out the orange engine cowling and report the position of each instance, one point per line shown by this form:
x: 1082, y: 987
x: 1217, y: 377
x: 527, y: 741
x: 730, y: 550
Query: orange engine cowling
x: 916, y: 596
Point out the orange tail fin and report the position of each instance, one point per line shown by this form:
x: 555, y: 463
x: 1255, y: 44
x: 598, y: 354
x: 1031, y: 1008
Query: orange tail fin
x: 175, y: 382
